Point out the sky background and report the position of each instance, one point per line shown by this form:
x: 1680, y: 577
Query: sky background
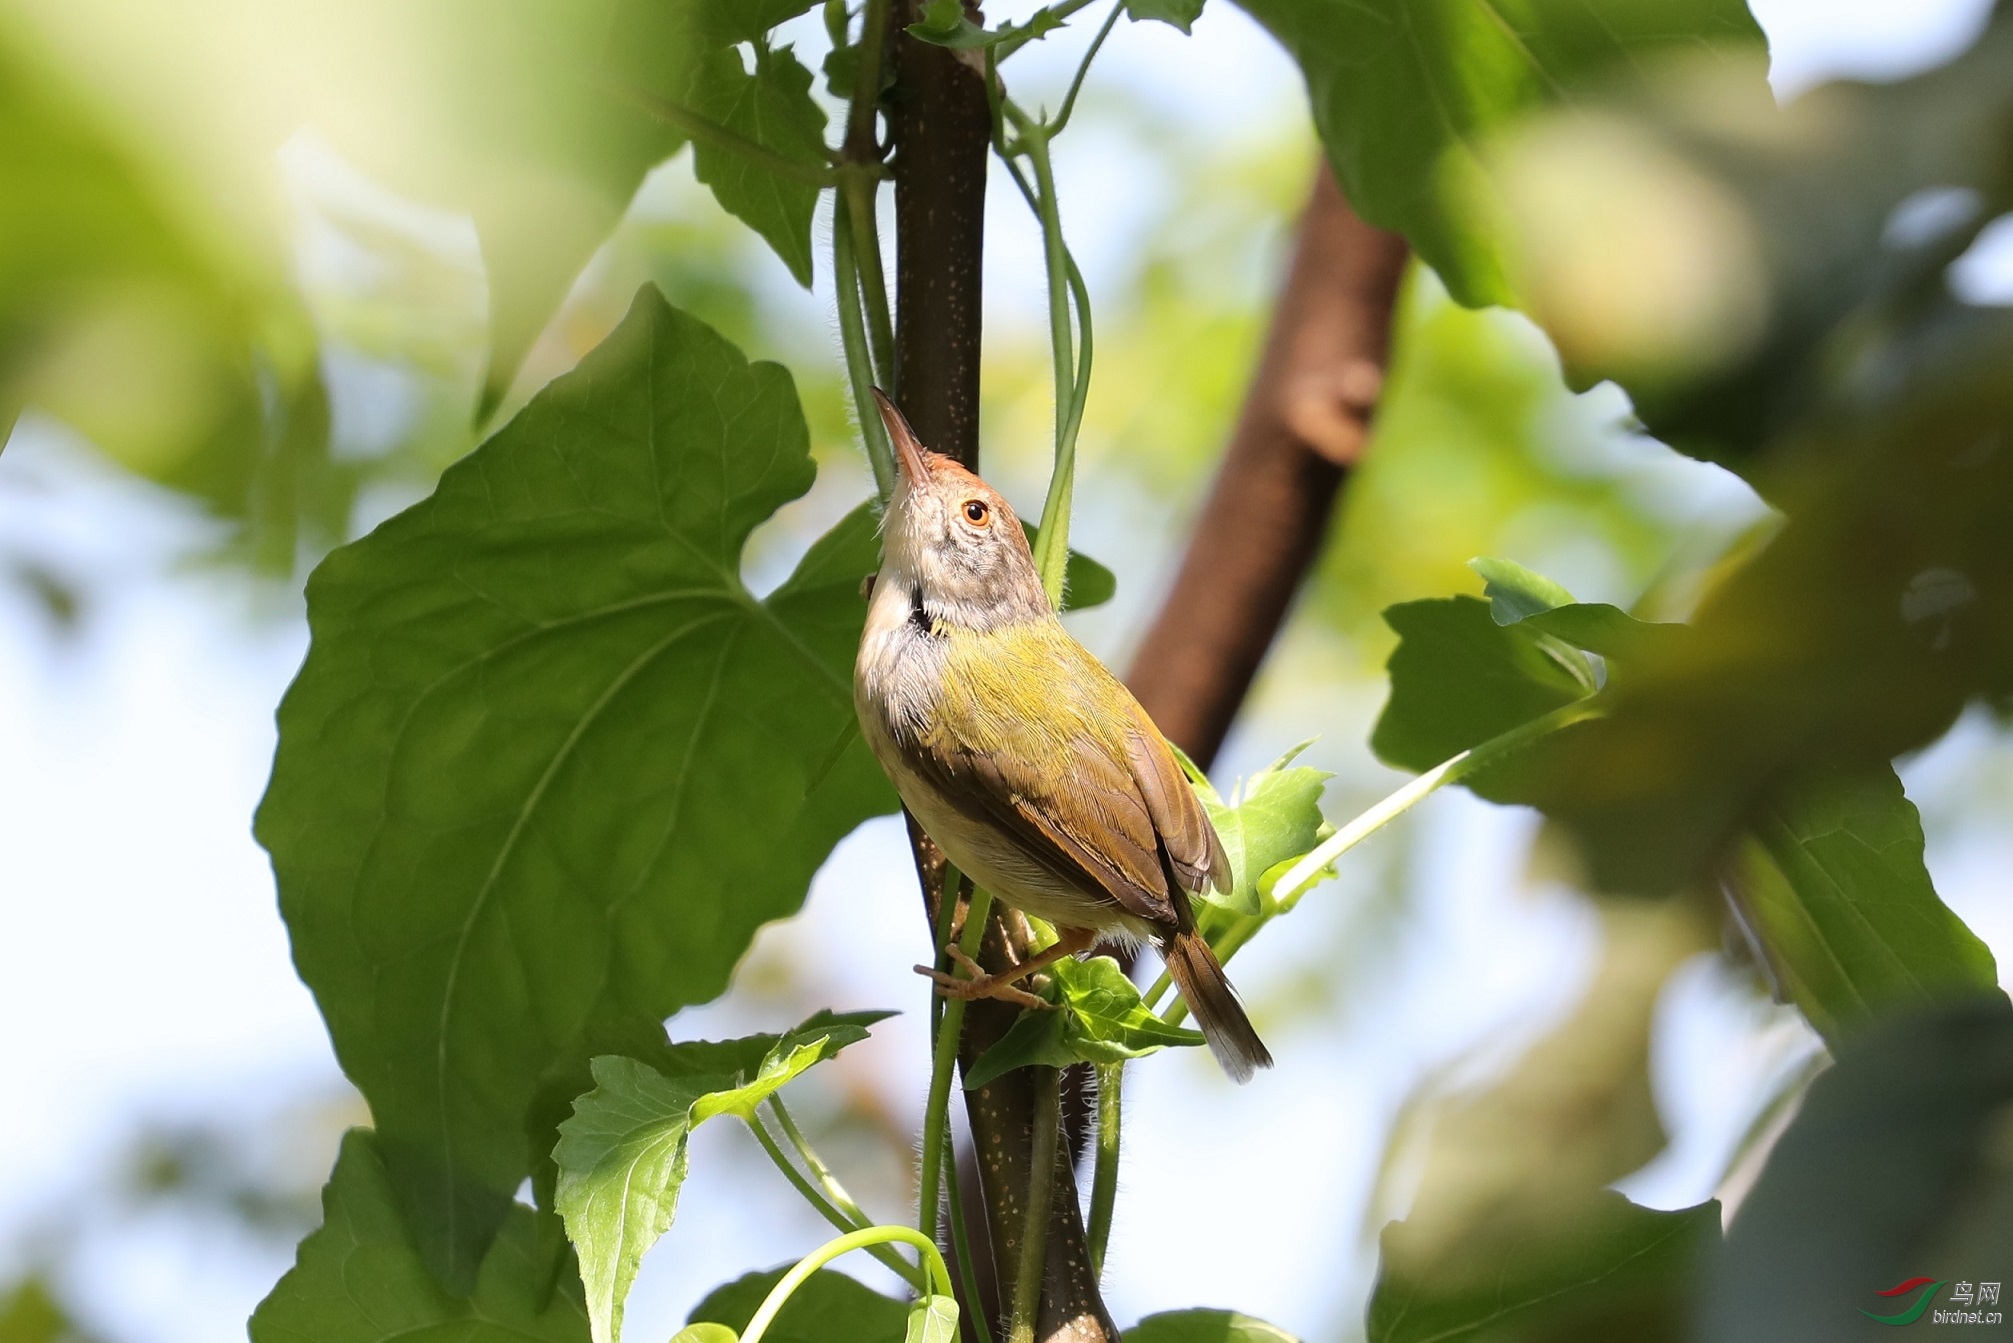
x: 146, y: 973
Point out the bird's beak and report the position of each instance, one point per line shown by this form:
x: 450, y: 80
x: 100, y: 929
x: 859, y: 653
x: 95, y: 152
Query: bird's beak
x: 908, y: 449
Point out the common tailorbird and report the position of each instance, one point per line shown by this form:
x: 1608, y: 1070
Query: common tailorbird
x: 1032, y: 767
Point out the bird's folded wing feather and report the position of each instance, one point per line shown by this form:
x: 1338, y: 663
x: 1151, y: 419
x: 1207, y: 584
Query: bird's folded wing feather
x: 1177, y: 813
x: 1076, y: 811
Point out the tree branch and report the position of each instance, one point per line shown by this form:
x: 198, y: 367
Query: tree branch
x: 1304, y: 423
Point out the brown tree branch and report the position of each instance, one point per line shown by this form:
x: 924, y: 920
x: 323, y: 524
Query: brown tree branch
x: 1304, y: 423
x: 940, y: 125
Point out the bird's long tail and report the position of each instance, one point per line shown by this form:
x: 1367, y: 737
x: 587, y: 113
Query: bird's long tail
x: 1206, y: 989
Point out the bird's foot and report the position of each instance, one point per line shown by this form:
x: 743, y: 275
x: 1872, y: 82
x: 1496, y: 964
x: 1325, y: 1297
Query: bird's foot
x: 980, y: 984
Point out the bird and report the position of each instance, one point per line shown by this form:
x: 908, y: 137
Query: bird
x: 1028, y: 763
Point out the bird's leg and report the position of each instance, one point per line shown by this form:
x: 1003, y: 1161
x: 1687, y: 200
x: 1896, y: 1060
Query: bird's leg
x: 1069, y: 941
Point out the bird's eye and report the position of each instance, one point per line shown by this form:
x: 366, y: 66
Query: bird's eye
x: 976, y: 512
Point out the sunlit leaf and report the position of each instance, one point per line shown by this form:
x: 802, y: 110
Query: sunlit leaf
x: 828, y: 1308
x: 621, y: 1156
x: 933, y: 1319
x: 1617, y: 1271
x: 1273, y: 817
x: 549, y: 765
x: 1832, y: 878
x: 360, y: 1278
x: 1098, y: 1018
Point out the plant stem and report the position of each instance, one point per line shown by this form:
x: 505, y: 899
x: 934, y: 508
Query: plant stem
x: 961, y: 1246
x: 827, y: 1182
x: 1076, y: 85
x: 859, y: 191
x: 1104, y: 1176
x: 936, y: 1112
x: 1300, y: 878
x: 909, y: 1273
x: 861, y: 1239
x: 1033, y: 1260
x: 699, y: 128
x: 853, y: 341
x: 1010, y: 45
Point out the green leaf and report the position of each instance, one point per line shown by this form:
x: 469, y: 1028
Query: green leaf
x: 944, y: 24
x: 1403, y: 92
x: 549, y: 765
x: 933, y: 1319
x: 1099, y: 1018
x: 360, y: 1279
x: 1515, y: 592
x: 1615, y: 1271
x: 705, y: 1333
x: 773, y: 108
x: 1892, y: 1169
x: 1273, y: 818
x: 1458, y: 678
x: 828, y: 1308
x: 622, y: 1155
x: 1180, y: 13
x: 1832, y: 880
x: 1205, y: 1326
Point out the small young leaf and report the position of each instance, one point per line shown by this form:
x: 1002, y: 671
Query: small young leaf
x: 705, y: 1333
x: 621, y: 1156
x: 361, y: 1279
x: 1099, y: 1018
x: 933, y: 1319
x: 1515, y: 592
x: 828, y: 1307
x: 1180, y: 13
x: 1205, y: 1326
x: 1833, y: 883
x: 772, y: 107
x: 1275, y: 819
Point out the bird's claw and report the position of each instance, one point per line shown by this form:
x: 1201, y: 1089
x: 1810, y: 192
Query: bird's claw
x: 980, y: 985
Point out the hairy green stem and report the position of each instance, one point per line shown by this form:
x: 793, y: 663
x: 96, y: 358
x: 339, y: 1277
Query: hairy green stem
x: 961, y: 1246
x: 933, y: 1262
x: 839, y: 1218
x: 936, y: 1112
x: 857, y: 196
x: 1300, y: 878
x: 1033, y: 1258
x: 853, y: 341
x: 815, y: 1166
x: 1104, y: 1175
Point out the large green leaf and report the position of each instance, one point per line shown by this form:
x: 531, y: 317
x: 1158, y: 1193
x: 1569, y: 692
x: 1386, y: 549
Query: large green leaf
x: 1098, y: 1018
x: 621, y: 1156
x: 1271, y: 818
x: 1405, y: 91
x: 1617, y: 1271
x: 549, y: 765
x: 1205, y: 1326
x: 1832, y: 878
x: 1893, y: 1169
x: 360, y: 1279
x: 828, y: 1308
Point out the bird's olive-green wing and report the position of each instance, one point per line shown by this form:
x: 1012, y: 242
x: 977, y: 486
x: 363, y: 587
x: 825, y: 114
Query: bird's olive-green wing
x: 1074, y: 809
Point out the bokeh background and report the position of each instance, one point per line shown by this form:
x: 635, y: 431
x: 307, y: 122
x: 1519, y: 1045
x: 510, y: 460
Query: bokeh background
x: 1447, y: 1009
